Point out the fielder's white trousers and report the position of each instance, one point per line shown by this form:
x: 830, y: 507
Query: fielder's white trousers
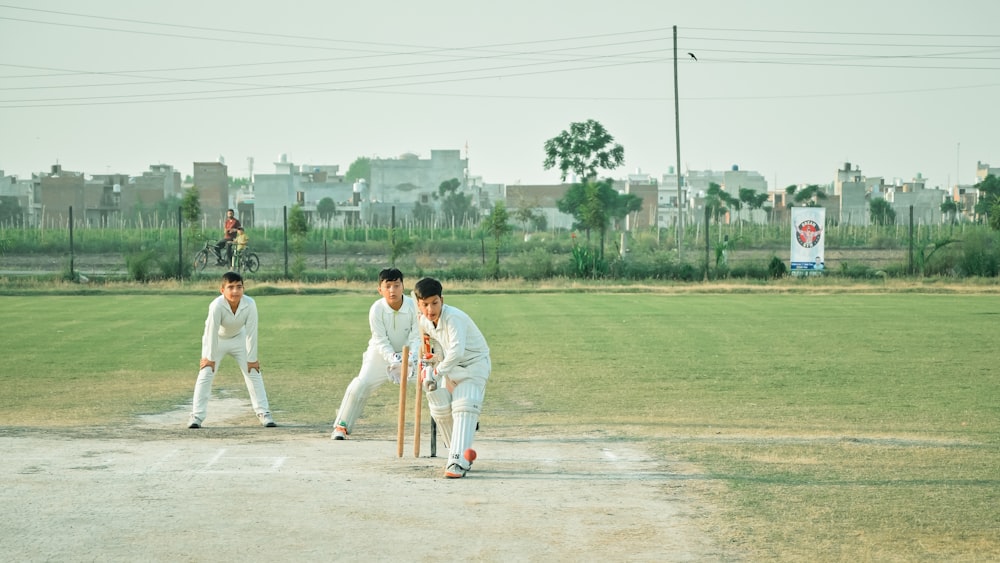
x: 237, y: 348
x: 372, y: 376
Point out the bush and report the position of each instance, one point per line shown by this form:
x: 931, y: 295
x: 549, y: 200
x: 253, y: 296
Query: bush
x: 140, y: 266
x: 776, y: 268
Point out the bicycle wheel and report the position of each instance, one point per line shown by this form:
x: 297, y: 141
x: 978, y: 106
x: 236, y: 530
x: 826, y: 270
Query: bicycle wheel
x: 201, y: 259
x: 250, y: 262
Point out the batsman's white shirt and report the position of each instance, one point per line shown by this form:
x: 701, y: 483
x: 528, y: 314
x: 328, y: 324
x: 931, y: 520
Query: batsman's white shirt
x: 464, y: 347
x: 223, y: 323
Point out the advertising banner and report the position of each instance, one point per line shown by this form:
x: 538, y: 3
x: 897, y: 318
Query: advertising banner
x: 808, y: 233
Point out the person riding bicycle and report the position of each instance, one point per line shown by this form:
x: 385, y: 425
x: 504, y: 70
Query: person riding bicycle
x: 229, y: 231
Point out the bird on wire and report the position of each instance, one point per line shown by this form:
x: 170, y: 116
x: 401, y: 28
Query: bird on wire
x: 693, y: 57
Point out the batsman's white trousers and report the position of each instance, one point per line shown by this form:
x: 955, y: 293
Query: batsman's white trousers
x: 457, y: 412
x: 237, y: 348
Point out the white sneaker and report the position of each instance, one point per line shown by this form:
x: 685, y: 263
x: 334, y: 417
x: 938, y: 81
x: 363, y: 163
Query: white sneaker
x: 455, y: 471
x: 339, y: 433
x: 194, y: 422
x: 266, y: 420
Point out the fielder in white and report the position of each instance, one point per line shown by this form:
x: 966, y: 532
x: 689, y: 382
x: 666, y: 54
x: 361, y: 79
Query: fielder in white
x: 230, y: 329
x: 393, y: 323
x: 456, y: 385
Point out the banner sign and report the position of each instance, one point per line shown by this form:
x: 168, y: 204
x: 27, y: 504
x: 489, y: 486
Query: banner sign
x: 808, y: 232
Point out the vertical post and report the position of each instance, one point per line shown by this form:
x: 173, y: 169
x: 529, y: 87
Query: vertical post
x: 677, y: 131
x: 708, y: 245
x: 72, y: 272
x: 180, y: 246
x: 284, y: 212
x: 910, y: 258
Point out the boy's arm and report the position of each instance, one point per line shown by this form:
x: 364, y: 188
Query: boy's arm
x: 251, y: 330
x: 380, y: 335
x: 210, y: 340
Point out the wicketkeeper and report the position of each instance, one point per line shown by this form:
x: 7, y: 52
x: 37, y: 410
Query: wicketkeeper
x: 393, y: 323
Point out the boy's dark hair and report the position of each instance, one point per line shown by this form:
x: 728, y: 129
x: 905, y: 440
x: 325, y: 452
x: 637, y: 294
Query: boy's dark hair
x: 390, y: 274
x: 232, y: 277
x: 427, y: 288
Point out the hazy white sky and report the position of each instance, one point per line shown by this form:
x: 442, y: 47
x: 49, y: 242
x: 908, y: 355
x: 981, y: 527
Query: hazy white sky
x: 791, y: 89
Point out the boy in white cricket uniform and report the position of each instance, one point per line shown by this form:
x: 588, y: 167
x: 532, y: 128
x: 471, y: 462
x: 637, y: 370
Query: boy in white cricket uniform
x: 456, y: 387
x: 393, y: 323
x: 230, y: 329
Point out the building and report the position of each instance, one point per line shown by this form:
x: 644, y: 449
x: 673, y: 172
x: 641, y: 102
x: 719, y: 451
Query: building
x: 212, y: 181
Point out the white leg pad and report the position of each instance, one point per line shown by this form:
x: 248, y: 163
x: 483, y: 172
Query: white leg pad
x: 439, y: 404
x: 352, y: 404
x: 465, y: 407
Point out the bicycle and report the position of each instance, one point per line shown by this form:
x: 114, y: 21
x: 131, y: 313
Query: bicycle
x: 202, y: 257
x: 245, y: 261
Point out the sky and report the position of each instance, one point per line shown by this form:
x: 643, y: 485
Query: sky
x: 790, y: 89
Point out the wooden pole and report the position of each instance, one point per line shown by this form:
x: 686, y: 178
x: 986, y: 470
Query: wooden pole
x: 401, y: 424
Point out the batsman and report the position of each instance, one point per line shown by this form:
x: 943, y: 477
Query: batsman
x: 456, y: 373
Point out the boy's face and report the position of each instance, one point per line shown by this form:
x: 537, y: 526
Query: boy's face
x: 232, y: 291
x: 392, y: 291
x: 431, y: 307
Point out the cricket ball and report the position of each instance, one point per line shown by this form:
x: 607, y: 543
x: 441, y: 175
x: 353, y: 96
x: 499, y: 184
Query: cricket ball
x: 470, y: 455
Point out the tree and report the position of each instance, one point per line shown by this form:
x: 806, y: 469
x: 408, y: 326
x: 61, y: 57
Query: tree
x: 716, y: 201
x: 989, y: 196
x: 456, y: 207
x: 191, y: 207
x: 326, y: 209
x: 422, y: 213
x: 593, y: 204
x: 298, y: 226
x: 582, y: 150
x: 11, y: 214
x: 525, y: 216
x: 361, y: 168
x: 881, y: 212
x: 809, y: 196
x: 497, y: 226
x: 949, y: 207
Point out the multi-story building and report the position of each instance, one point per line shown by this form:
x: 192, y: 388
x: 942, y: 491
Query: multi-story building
x: 212, y: 181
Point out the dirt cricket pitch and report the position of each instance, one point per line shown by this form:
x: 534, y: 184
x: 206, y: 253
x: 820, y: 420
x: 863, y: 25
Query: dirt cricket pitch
x: 233, y: 491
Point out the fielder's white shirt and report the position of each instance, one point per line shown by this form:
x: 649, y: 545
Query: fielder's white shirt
x: 223, y: 323
x: 391, y: 329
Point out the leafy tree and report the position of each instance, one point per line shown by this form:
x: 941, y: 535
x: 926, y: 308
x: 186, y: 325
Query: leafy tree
x: 526, y: 216
x: 950, y: 208
x: 298, y: 226
x: 239, y: 182
x: 751, y: 199
x: 11, y: 214
x: 719, y: 202
x: 422, y: 213
x: 191, y: 207
x: 326, y: 209
x: 455, y: 206
x: 583, y: 149
x: 360, y: 168
x: 593, y: 204
x: 881, y: 212
x: 497, y: 226
x: 809, y: 196
x: 989, y: 196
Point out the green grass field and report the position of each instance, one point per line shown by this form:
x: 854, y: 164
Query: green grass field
x: 826, y: 427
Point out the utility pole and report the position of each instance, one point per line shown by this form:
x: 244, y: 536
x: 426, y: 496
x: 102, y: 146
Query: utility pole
x: 680, y: 192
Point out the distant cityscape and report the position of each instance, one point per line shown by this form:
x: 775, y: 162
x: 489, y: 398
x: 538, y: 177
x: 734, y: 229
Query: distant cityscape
x: 396, y: 187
